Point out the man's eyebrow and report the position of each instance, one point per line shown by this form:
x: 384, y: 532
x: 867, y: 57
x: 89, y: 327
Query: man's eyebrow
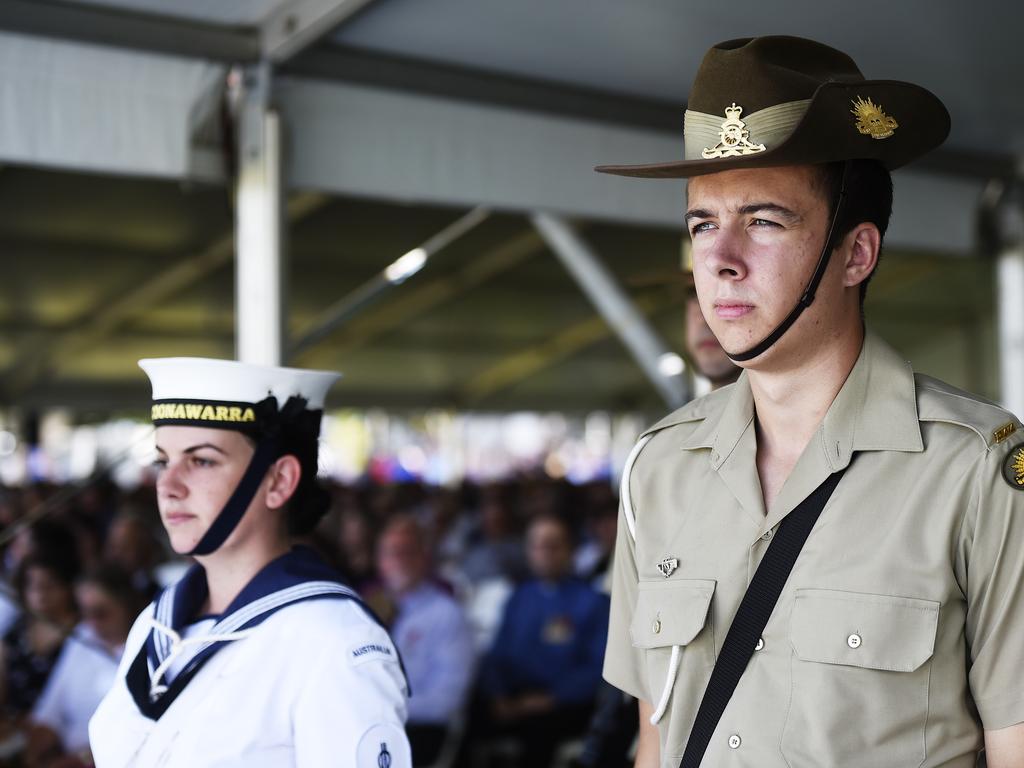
x: 778, y: 210
x: 696, y: 213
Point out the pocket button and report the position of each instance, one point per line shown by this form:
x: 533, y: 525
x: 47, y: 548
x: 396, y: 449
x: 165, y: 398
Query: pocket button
x: 854, y: 641
x: 735, y: 741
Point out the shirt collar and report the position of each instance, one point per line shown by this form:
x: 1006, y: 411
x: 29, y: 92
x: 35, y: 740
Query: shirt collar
x: 885, y: 421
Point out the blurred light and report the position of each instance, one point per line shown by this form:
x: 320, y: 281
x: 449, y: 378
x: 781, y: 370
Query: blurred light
x: 406, y: 266
x: 8, y: 443
x: 412, y: 459
x: 671, y: 364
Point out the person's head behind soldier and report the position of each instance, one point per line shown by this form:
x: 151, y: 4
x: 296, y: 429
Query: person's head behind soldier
x: 702, y: 348
x: 549, y: 547
x: 236, y: 452
x: 108, y: 603
x: 131, y: 543
x: 788, y: 150
x: 403, y: 557
x: 45, y: 587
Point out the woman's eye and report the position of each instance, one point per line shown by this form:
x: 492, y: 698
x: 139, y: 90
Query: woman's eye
x: 159, y: 464
x: 199, y: 461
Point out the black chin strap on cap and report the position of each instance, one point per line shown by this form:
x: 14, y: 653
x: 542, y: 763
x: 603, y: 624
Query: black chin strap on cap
x: 268, y: 450
x: 808, y: 295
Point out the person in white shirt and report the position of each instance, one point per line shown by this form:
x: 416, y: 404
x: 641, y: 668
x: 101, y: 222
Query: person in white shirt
x: 86, y: 667
x: 259, y: 656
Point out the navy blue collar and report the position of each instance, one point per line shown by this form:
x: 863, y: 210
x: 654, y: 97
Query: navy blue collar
x: 294, y: 577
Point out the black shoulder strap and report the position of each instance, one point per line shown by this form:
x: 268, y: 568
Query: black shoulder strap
x: 752, y: 617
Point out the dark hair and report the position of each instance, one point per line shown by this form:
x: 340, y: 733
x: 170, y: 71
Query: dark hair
x: 868, y: 199
x: 310, y: 501
x: 116, y: 582
x: 64, y: 571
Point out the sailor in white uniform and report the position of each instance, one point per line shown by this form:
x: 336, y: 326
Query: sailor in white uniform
x: 260, y: 655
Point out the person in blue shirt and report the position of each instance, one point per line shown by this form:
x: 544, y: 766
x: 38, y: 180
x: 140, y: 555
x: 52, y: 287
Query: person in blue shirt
x: 540, y: 678
x: 432, y: 635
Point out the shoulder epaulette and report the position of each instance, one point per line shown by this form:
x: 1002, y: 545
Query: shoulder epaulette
x: 938, y: 401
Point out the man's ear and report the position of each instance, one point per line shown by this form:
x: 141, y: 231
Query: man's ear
x: 861, y: 250
x: 284, y: 479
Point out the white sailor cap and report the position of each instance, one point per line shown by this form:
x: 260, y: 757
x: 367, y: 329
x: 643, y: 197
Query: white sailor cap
x: 197, y: 391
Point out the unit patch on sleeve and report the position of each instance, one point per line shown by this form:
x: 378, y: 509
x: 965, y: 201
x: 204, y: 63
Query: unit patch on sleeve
x: 1013, y: 468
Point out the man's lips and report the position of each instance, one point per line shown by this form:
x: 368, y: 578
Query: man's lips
x: 732, y: 309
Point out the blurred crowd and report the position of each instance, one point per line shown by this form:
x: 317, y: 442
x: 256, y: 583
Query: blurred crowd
x: 495, y: 595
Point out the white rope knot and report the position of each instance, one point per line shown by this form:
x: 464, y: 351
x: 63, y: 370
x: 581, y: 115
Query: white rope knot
x: 178, y: 646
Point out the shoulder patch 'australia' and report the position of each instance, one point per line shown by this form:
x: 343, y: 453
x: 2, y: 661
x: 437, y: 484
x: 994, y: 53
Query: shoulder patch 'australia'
x: 364, y: 652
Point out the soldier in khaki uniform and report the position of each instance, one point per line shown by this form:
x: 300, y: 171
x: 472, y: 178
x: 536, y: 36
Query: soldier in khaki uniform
x: 897, y: 639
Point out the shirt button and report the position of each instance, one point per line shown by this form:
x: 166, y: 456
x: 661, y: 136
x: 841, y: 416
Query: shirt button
x: 735, y: 741
x: 656, y: 627
x: 767, y: 536
x: 854, y: 641
x: 760, y: 644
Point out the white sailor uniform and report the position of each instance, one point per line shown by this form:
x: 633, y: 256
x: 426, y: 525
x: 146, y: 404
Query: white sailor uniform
x: 296, y: 672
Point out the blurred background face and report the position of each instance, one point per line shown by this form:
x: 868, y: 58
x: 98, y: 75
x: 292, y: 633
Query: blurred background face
x: 548, y: 549
x: 46, y: 594
x: 704, y: 349
x: 402, y: 559
x: 130, y: 544
x: 107, y: 617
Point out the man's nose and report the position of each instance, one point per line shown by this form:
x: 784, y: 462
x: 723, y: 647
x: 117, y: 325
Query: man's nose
x: 723, y: 255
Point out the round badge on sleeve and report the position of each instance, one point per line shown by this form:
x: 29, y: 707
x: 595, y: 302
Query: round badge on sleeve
x: 1013, y: 468
x: 383, y: 746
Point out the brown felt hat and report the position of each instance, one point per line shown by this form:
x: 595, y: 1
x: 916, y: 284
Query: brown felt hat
x: 769, y: 101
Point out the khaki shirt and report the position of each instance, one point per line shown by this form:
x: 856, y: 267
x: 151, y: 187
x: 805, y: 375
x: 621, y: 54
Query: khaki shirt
x: 900, y: 633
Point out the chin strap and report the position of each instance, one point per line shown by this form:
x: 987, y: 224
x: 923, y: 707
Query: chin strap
x: 268, y: 450
x: 808, y: 295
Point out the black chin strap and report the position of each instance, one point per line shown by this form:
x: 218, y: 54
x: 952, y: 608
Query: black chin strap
x: 267, y: 452
x: 808, y: 295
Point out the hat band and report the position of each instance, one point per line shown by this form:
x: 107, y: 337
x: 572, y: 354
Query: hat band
x: 768, y: 127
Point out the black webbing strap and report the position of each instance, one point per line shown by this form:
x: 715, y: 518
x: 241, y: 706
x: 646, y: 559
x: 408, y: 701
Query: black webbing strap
x: 752, y: 617
x: 807, y: 297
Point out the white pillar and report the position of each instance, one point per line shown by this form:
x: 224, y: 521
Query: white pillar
x: 259, y: 242
x: 1010, y: 287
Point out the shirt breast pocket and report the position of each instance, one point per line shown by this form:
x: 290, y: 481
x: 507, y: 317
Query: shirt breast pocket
x: 860, y: 677
x: 675, y: 613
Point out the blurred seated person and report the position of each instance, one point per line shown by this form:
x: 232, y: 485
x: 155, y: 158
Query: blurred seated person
x: 432, y: 636
x: 86, y: 668
x: 356, y: 548
x: 132, y: 546
x: 495, y: 549
x: 540, y: 678
x: 30, y: 648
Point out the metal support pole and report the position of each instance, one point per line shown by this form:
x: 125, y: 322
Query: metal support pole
x: 615, y: 306
x: 259, y: 234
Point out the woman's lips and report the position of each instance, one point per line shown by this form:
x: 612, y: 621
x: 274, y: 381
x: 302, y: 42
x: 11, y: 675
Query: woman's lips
x: 731, y: 310
x: 177, y: 518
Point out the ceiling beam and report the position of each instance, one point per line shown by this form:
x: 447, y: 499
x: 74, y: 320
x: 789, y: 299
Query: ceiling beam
x: 101, y: 25
x: 406, y: 304
x: 527, y: 362
x: 36, y: 361
x: 296, y: 25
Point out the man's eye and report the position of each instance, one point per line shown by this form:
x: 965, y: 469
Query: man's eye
x: 763, y: 223
x: 702, y: 226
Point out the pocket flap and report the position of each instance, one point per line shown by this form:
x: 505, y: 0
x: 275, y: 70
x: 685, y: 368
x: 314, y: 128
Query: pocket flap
x: 863, y: 630
x: 670, y: 612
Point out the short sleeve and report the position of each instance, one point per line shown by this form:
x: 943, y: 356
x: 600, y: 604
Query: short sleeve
x: 994, y: 545
x: 351, y: 710
x: 624, y: 663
